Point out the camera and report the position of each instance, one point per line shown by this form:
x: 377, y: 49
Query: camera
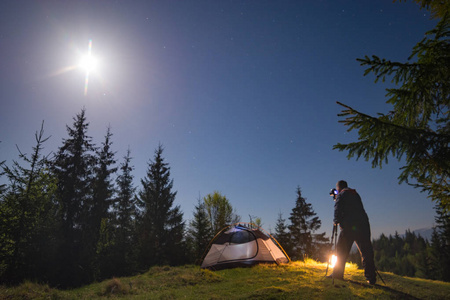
x: 333, y: 193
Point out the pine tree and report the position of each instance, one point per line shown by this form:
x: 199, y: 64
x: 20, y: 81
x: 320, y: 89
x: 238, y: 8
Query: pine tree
x: 406, y: 255
x: 282, y: 234
x: 199, y: 232
x: 103, y: 187
x: 438, y: 8
x: 440, y: 246
x: 418, y: 128
x: 100, y: 219
x: 304, y: 222
x: 73, y: 167
x: 161, y: 225
x: 2, y: 185
x: 124, y: 211
x: 27, y: 216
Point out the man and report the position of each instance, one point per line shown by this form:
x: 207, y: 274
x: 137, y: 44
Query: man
x: 349, y: 213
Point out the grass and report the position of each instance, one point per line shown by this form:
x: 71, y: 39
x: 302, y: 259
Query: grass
x: 296, y: 280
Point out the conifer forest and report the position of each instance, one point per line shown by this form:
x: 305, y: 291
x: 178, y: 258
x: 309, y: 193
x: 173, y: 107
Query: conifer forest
x: 78, y: 216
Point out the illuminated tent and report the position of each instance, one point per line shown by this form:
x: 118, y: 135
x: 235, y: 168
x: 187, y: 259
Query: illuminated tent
x: 242, y: 245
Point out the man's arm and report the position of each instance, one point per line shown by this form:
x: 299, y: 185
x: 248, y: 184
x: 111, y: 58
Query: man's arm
x: 338, y: 210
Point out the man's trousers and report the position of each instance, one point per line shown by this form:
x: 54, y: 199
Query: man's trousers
x: 361, y: 236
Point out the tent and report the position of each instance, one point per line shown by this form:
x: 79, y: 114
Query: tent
x: 240, y: 245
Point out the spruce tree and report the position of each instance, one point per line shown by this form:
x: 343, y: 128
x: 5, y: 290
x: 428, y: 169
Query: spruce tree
x: 406, y: 255
x: 73, y: 167
x: 100, y: 219
x: 417, y: 129
x: 438, y: 8
x: 304, y: 223
x: 124, y: 211
x: 282, y: 234
x: 27, y: 218
x: 200, y: 232
x: 440, y: 246
x: 2, y: 185
x: 161, y: 225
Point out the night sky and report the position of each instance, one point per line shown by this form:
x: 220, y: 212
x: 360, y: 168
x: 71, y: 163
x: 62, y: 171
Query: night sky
x: 241, y: 94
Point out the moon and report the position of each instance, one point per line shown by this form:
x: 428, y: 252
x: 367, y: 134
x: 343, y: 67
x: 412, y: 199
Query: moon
x: 88, y: 63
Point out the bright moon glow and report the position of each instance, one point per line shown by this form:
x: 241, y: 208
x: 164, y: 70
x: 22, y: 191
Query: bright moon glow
x: 88, y: 63
x: 333, y: 260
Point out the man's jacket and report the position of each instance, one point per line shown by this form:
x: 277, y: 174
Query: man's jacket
x: 349, y: 211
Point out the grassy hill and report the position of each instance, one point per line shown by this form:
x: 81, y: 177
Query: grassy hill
x: 296, y: 280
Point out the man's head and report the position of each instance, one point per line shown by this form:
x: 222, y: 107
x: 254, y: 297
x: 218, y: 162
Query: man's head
x: 341, y: 184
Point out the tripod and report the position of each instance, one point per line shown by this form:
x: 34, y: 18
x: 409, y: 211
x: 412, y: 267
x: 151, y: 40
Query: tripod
x: 378, y: 273
x: 333, y: 237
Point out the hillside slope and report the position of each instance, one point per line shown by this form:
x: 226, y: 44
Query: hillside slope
x: 296, y: 280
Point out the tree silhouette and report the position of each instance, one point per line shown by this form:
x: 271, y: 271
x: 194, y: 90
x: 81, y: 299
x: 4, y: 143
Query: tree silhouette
x: 199, y: 232
x: 418, y: 128
x: 73, y: 167
x: 440, y: 246
x: 220, y: 211
x: 282, y: 234
x: 27, y: 217
x: 124, y: 212
x: 100, y: 220
x: 304, y: 222
x: 407, y: 255
x: 161, y: 225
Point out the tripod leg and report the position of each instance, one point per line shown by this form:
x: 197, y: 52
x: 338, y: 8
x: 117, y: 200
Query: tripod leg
x: 326, y: 272
x: 328, y: 261
x: 378, y: 273
x: 335, y: 244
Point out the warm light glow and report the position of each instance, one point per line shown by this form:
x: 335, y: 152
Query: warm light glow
x: 333, y: 260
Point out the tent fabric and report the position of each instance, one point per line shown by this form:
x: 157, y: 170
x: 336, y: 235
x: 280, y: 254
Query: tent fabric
x: 239, y: 246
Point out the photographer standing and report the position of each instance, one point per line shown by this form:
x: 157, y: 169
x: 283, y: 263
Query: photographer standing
x: 349, y: 213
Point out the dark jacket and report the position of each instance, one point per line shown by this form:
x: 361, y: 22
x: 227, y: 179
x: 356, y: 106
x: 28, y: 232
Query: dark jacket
x: 349, y: 211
